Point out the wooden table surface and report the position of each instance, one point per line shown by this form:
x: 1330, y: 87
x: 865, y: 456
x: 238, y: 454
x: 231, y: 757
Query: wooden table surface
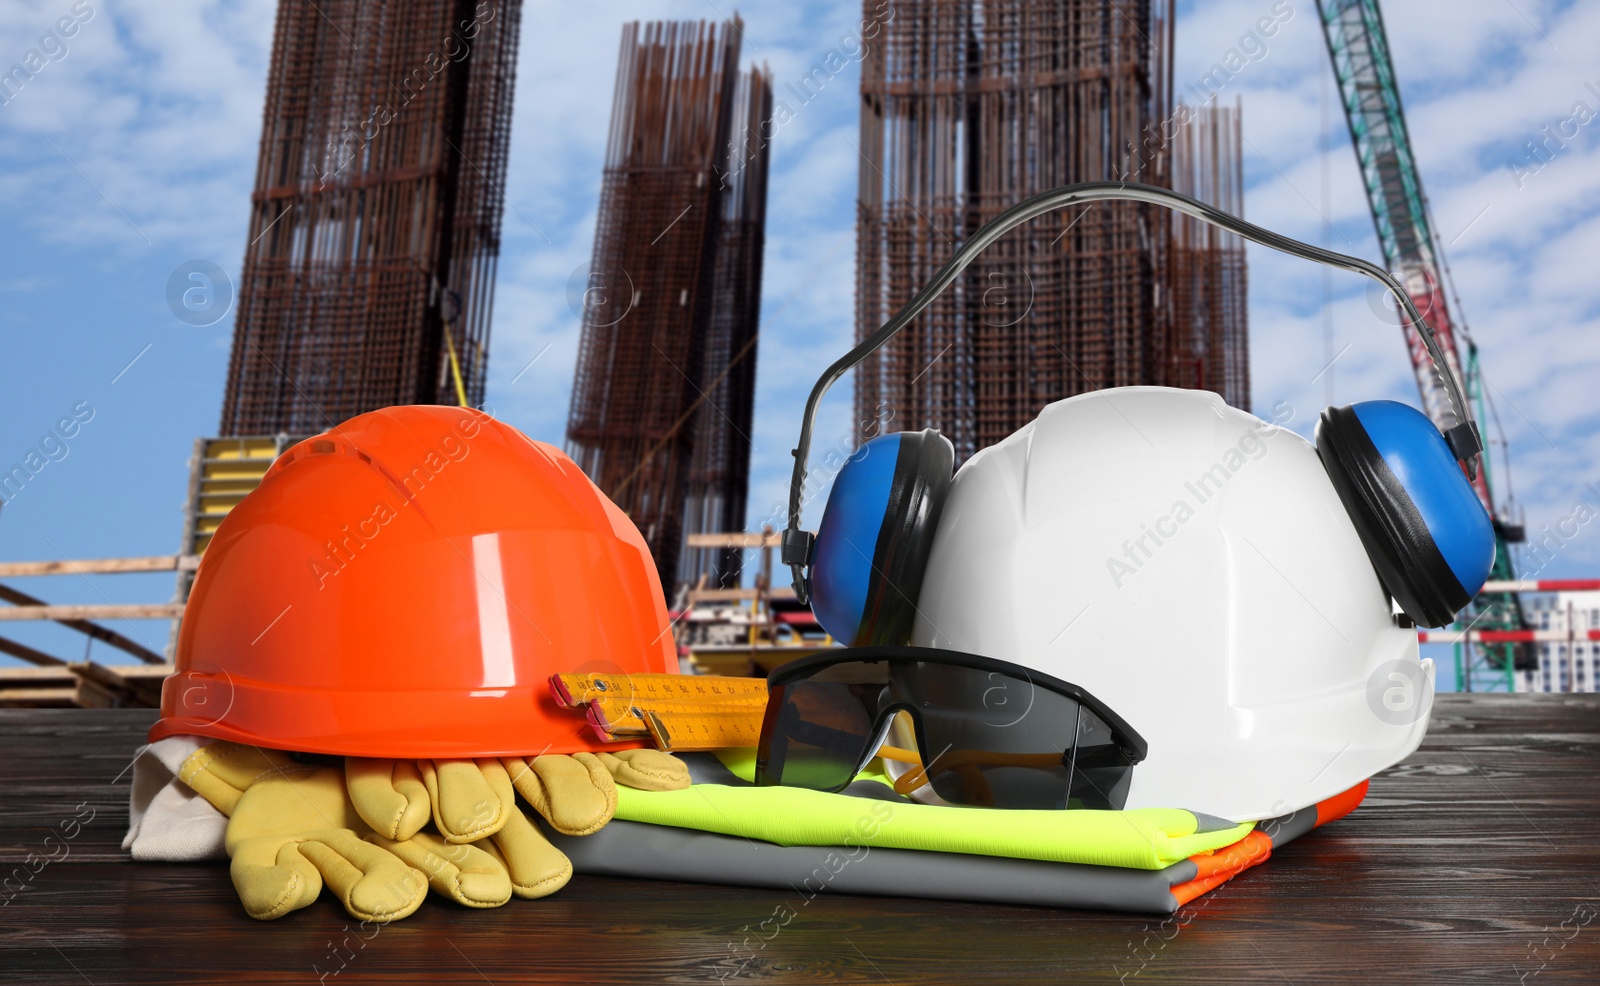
x: 1475, y: 860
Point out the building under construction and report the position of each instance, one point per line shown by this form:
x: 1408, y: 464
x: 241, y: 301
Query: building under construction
x: 375, y: 220
x: 968, y: 108
x: 664, y: 387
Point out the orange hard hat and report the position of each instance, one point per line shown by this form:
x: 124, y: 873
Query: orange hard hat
x: 404, y: 586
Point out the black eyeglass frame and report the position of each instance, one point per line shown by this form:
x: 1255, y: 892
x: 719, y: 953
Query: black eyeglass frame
x: 1130, y: 744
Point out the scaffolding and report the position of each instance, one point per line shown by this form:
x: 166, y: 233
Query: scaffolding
x: 968, y: 108
x: 375, y: 221
x: 663, y: 392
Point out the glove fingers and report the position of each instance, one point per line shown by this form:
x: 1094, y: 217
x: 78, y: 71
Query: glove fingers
x: 373, y: 885
x: 575, y: 793
x: 272, y: 878
x: 287, y: 806
x: 536, y: 867
x: 647, y: 770
x: 388, y: 795
x: 464, y: 873
x: 595, y: 804
x: 471, y: 798
x: 221, y: 771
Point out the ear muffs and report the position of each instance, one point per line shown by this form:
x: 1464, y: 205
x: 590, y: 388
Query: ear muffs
x: 1428, y: 536
x: 877, y: 531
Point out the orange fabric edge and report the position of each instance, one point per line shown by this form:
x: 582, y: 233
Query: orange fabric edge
x: 1214, y: 869
x: 1341, y: 805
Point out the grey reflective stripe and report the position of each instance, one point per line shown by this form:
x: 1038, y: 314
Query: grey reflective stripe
x: 1286, y: 828
x: 1210, y: 823
x: 704, y: 768
x: 637, y: 849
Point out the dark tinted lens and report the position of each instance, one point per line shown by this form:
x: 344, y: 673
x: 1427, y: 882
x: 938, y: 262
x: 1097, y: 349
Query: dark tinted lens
x: 1101, y: 771
x: 821, y: 733
x: 989, y: 739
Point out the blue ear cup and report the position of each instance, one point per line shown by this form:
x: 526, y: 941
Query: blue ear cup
x: 1429, y: 537
x: 876, y: 533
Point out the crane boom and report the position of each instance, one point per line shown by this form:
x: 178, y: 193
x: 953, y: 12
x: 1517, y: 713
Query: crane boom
x: 1359, y: 50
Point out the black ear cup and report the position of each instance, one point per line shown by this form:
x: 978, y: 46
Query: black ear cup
x: 922, y: 473
x: 1421, y: 523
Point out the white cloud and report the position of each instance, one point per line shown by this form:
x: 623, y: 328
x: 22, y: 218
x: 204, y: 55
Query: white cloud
x: 158, y: 104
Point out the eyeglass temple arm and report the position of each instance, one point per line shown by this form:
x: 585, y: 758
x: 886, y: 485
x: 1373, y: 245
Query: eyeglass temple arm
x: 958, y: 759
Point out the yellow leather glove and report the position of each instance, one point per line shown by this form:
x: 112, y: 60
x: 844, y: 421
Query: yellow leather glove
x: 292, y: 828
x: 577, y: 794
x: 473, y: 800
x: 467, y: 800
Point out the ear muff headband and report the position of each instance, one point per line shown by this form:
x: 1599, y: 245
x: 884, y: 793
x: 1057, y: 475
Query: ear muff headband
x: 1463, y: 439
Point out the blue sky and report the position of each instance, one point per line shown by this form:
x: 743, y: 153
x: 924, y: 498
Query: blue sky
x: 133, y: 152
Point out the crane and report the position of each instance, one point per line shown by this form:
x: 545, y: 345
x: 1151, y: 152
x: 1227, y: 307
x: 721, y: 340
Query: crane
x: 1359, y: 50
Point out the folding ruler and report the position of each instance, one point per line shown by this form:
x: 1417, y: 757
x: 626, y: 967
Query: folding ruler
x: 675, y: 711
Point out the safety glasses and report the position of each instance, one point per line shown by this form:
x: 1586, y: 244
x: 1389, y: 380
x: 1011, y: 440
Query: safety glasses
x: 987, y: 733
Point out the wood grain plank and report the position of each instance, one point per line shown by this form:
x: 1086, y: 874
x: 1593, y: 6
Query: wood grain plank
x: 1460, y: 868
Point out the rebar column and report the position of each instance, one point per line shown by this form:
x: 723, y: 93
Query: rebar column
x: 662, y: 394
x: 968, y: 108
x: 375, y: 220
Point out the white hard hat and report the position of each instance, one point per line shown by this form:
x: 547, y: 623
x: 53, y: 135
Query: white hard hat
x: 1214, y: 579
x: 1191, y: 566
